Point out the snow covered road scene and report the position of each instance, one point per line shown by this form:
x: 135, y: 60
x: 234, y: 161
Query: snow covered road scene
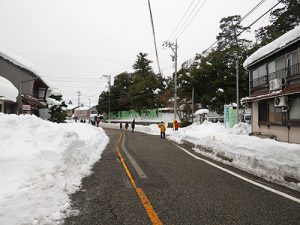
x: 150, y: 112
x: 43, y: 162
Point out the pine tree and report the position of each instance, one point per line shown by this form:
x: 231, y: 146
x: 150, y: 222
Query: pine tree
x: 282, y: 20
x: 57, y: 107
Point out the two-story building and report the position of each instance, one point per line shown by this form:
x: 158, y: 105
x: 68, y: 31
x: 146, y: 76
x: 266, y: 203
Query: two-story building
x: 274, y: 86
x: 32, y: 89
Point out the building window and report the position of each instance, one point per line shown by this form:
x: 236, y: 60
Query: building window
x: 263, y: 112
x: 271, y: 70
x: 259, y: 76
x: 294, y: 112
x: 275, y: 114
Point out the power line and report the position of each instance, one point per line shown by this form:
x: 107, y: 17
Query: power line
x: 261, y: 16
x: 74, y: 81
x: 74, y: 57
x: 252, y: 10
x: 182, y: 19
x: 188, y: 17
x: 71, y: 77
x: 246, y: 27
x: 192, y: 18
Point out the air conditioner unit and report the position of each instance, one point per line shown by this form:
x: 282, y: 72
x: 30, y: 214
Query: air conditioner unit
x: 275, y: 84
x: 280, y: 101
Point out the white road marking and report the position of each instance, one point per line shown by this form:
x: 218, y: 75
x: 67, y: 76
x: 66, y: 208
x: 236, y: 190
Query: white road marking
x: 242, y: 178
x: 135, y: 165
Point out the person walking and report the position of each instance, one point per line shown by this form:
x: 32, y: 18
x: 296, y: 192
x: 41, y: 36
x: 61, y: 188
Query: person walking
x: 126, y: 125
x: 175, y: 125
x: 121, y: 124
x: 162, y: 128
x: 133, y: 125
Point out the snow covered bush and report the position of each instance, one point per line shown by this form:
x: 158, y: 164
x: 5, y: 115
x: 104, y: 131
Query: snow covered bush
x: 57, y: 107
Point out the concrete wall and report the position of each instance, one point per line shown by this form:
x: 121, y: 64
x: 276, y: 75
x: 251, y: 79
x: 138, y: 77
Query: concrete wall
x: 294, y: 135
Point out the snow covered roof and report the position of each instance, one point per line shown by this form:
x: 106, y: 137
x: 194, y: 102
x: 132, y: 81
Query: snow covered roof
x: 84, y: 108
x: 7, y: 90
x: 280, y: 43
x: 20, y: 62
x: 201, y: 111
x: 70, y: 107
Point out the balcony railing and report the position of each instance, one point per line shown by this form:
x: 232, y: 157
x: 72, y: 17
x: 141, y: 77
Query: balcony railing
x: 288, y: 73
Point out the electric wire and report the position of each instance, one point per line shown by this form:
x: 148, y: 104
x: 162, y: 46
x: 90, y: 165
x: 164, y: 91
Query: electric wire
x: 249, y: 26
x: 201, y: 6
x: 74, y: 57
x: 252, y: 10
x: 188, y: 17
x: 182, y: 19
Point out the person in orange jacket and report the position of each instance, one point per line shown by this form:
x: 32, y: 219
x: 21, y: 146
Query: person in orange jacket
x: 162, y: 128
x: 175, y: 125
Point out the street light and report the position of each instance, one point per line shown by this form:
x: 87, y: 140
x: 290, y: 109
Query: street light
x: 173, y: 47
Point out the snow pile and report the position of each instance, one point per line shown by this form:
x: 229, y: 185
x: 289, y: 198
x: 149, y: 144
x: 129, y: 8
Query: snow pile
x: 41, y: 163
x: 8, y: 90
x: 266, y: 158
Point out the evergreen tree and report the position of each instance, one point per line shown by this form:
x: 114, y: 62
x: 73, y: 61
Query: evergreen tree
x: 57, y: 107
x: 142, y: 65
x: 282, y: 20
x: 135, y: 90
x: 145, y: 83
x: 103, y: 102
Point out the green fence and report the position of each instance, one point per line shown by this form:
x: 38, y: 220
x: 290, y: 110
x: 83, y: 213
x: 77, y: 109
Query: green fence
x: 131, y: 114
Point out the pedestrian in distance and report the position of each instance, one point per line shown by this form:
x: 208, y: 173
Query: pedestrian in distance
x: 175, y: 125
x: 162, y: 128
x: 126, y: 126
x: 121, y: 125
x: 133, y: 125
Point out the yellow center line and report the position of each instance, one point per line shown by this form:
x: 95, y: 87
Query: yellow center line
x: 140, y: 192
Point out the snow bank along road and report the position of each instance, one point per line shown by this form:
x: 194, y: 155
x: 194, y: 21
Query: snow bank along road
x: 176, y: 189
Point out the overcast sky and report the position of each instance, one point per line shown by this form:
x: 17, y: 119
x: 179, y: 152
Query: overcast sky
x: 72, y: 43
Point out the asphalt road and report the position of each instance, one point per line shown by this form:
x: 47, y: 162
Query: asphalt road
x: 180, y: 189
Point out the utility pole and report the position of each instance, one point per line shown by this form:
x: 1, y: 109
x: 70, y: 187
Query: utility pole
x: 237, y: 74
x: 79, y: 93
x: 154, y: 38
x: 109, y: 88
x: 174, y: 48
x: 193, y: 96
x: 89, y: 110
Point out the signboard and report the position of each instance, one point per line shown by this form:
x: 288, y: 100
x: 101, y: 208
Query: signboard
x: 26, y: 107
x: 230, y: 116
